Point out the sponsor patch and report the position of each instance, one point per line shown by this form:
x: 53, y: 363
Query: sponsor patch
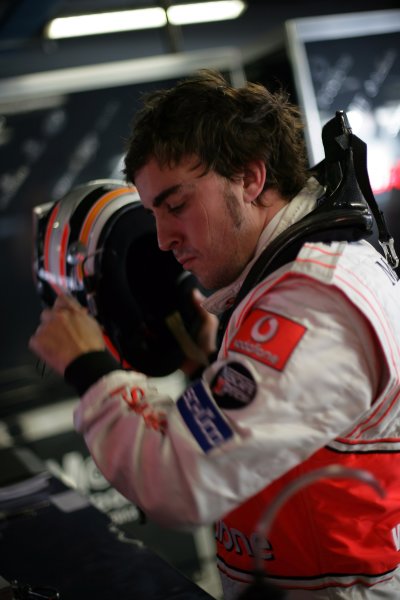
x: 201, y: 416
x: 135, y: 397
x: 268, y: 338
x: 233, y: 386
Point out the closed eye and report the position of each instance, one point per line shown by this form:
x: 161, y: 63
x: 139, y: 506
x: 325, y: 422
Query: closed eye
x: 176, y: 209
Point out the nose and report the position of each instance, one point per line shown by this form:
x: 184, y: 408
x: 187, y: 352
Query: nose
x: 167, y: 234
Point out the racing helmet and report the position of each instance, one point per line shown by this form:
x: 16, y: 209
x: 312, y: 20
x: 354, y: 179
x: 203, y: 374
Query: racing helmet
x: 98, y: 244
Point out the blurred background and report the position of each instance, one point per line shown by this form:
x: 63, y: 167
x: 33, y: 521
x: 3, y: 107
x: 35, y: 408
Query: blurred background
x: 66, y: 102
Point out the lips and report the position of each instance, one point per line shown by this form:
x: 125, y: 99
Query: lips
x: 184, y: 260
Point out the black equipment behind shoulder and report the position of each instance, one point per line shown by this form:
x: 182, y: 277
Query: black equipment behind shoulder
x: 346, y: 212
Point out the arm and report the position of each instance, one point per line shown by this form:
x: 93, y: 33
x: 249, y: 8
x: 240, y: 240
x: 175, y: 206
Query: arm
x: 191, y: 461
x: 71, y: 342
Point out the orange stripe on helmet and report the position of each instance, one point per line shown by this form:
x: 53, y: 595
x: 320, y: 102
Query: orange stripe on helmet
x: 97, y: 208
x: 93, y: 214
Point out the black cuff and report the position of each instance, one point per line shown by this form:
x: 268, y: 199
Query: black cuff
x: 88, y: 368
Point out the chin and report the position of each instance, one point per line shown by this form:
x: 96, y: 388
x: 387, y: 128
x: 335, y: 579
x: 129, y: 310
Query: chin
x: 212, y: 284
x: 205, y: 281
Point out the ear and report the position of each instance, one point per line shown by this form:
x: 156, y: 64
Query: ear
x: 254, y: 180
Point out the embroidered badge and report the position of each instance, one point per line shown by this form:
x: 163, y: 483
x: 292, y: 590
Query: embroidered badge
x: 268, y: 338
x: 233, y: 386
x: 202, y: 417
x: 135, y: 397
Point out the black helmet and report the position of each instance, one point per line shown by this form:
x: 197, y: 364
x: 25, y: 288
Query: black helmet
x: 100, y: 245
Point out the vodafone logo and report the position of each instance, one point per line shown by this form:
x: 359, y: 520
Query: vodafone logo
x: 264, y: 329
x: 268, y: 338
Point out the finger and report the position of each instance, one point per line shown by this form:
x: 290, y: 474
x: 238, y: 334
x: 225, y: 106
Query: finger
x: 34, y: 342
x: 46, y: 315
x: 198, y: 300
x: 64, y: 301
x: 198, y: 296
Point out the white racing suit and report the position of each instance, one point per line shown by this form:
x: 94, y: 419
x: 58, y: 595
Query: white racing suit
x: 307, y: 376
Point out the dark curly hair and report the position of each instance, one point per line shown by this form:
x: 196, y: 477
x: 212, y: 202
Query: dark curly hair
x: 225, y: 127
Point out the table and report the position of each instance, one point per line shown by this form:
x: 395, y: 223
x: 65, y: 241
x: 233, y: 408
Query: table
x: 54, y: 537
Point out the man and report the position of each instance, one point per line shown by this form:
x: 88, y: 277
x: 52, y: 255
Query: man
x: 307, y: 374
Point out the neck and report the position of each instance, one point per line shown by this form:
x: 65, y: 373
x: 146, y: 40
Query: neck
x: 270, y: 203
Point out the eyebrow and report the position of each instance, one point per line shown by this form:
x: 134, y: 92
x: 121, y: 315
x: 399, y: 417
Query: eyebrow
x: 162, y: 196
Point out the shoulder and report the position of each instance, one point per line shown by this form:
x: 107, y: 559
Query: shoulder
x: 309, y: 297
x: 323, y: 261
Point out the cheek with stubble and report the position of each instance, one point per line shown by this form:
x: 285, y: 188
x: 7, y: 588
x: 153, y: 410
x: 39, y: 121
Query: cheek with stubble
x: 219, y: 265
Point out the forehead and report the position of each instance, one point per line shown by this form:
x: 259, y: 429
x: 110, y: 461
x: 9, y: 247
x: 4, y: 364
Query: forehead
x: 154, y: 179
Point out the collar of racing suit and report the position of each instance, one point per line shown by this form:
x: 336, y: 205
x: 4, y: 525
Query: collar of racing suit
x: 302, y: 204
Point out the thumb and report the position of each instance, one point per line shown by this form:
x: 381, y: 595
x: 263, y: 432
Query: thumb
x: 65, y: 301
x: 198, y: 299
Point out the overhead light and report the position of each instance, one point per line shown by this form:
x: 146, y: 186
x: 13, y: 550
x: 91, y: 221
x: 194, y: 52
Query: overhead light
x: 107, y: 22
x: 146, y: 18
x: 204, y: 12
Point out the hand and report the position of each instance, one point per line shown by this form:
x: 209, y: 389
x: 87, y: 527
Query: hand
x: 207, y: 335
x: 65, y: 332
x: 206, y: 339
